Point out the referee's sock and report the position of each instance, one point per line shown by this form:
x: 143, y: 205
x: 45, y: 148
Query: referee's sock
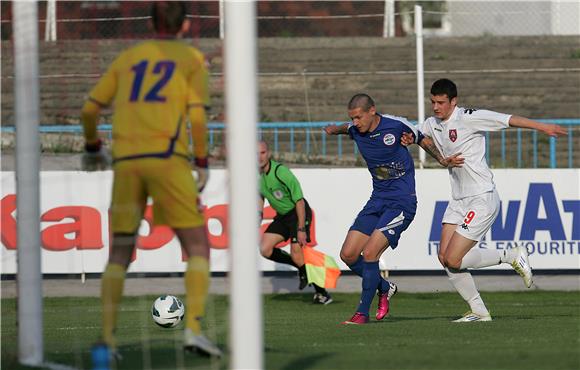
x: 319, y: 289
x: 280, y: 256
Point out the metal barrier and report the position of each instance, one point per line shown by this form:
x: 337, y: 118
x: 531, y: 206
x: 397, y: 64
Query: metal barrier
x: 518, y: 148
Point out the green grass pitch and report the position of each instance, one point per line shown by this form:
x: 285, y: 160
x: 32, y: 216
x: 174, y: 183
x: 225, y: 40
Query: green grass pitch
x: 531, y: 330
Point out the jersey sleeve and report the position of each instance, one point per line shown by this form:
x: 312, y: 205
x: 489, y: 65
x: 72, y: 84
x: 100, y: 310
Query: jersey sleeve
x: 100, y: 96
x: 426, y: 127
x: 350, y: 130
x: 105, y: 89
x: 287, y: 178
x: 197, y: 100
x: 408, y: 127
x: 199, y: 82
x: 486, y: 120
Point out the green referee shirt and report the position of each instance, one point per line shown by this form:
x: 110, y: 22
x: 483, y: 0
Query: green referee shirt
x: 280, y: 187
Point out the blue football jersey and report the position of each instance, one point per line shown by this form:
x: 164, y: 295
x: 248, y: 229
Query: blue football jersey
x: 390, y: 164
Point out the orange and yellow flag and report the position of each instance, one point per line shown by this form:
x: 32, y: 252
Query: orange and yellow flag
x: 321, y: 269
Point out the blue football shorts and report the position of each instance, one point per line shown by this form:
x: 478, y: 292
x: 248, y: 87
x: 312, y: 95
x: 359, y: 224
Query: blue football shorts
x: 391, y: 219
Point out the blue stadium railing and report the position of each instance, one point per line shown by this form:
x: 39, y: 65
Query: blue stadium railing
x: 308, y: 131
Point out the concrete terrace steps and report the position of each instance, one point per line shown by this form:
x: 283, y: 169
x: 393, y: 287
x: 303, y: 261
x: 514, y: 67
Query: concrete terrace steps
x: 282, y: 98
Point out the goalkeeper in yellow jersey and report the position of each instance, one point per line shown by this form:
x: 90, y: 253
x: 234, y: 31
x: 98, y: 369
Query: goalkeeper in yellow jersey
x: 155, y: 87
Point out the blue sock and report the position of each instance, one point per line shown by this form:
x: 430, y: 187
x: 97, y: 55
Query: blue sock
x: 384, y: 286
x: 370, y: 283
x: 358, y: 266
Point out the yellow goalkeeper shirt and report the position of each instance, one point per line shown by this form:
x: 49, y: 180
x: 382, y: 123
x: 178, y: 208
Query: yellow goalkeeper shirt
x: 154, y: 88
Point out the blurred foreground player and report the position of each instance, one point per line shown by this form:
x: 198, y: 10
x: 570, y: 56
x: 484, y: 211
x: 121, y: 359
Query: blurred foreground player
x: 155, y: 87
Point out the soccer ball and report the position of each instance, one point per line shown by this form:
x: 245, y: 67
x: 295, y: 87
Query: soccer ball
x: 167, y: 311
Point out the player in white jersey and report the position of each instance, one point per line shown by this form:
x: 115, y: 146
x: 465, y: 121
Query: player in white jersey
x: 475, y: 202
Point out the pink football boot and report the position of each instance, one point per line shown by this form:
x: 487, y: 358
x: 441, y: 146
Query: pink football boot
x: 384, y: 299
x: 357, y: 319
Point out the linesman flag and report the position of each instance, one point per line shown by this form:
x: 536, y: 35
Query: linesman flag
x: 321, y: 269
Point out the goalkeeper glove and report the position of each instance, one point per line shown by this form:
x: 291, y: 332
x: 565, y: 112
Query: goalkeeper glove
x: 200, y: 167
x: 95, y: 158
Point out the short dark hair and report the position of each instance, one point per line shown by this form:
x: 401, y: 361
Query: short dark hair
x: 363, y: 101
x: 444, y: 86
x: 168, y: 16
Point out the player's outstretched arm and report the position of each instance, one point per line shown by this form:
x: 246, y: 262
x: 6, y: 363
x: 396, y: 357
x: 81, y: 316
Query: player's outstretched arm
x: 452, y: 161
x: 336, y: 129
x: 548, y: 129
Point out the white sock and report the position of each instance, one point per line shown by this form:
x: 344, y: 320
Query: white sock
x: 465, y: 286
x: 509, y: 255
x: 478, y: 257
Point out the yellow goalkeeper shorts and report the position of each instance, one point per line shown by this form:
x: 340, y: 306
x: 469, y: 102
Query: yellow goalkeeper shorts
x: 168, y: 182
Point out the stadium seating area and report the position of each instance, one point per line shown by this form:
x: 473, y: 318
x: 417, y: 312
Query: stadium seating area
x: 311, y: 79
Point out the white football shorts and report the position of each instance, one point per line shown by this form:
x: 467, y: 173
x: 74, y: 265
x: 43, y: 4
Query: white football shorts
x: 473, y: 215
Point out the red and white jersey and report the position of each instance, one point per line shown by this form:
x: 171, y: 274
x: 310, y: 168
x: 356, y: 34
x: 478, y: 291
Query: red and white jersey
x: 464, y: 132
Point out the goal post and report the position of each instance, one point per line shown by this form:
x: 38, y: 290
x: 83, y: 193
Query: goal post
x: 29, y: 274
x: 241, y: 96
x: 420, y: 75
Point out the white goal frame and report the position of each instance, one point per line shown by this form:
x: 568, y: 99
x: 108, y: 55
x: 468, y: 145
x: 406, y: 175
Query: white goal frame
x: 29, y: 274
x: 241, y: 97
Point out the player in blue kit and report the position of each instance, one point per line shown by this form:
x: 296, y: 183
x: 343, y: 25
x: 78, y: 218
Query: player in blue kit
x: 393, y: 202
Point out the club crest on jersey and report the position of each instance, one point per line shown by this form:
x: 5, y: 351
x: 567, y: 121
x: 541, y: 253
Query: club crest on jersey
x: 278, y: 194
x: 389, y: 139
x: 453, y: 135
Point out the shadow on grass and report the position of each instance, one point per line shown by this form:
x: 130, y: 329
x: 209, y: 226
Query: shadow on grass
x: 303, y: 297
x: 415, y: 318
x: 163, y: 357
x: 392, y: 320
x: 517, y: 318
x: 306, y: 362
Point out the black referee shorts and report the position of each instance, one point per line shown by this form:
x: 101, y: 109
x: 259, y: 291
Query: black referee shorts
x: 287, y: 225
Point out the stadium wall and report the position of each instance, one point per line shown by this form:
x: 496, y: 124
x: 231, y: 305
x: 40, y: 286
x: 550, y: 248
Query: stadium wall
x: 540, y: 210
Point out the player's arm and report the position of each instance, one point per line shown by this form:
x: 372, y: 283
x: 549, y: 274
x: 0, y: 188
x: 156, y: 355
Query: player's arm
x: 301, y: 227
x: 198, y: 102
x: 297, y: 197
x: 452, y: 161
x: 548, y: 129
x: 261, y: 207
x: 100, y: 97
x: 94, y: 157
x: 427, y: 143
x: 198, y: 120
x: 337, y: 129
x: 90, y: 114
